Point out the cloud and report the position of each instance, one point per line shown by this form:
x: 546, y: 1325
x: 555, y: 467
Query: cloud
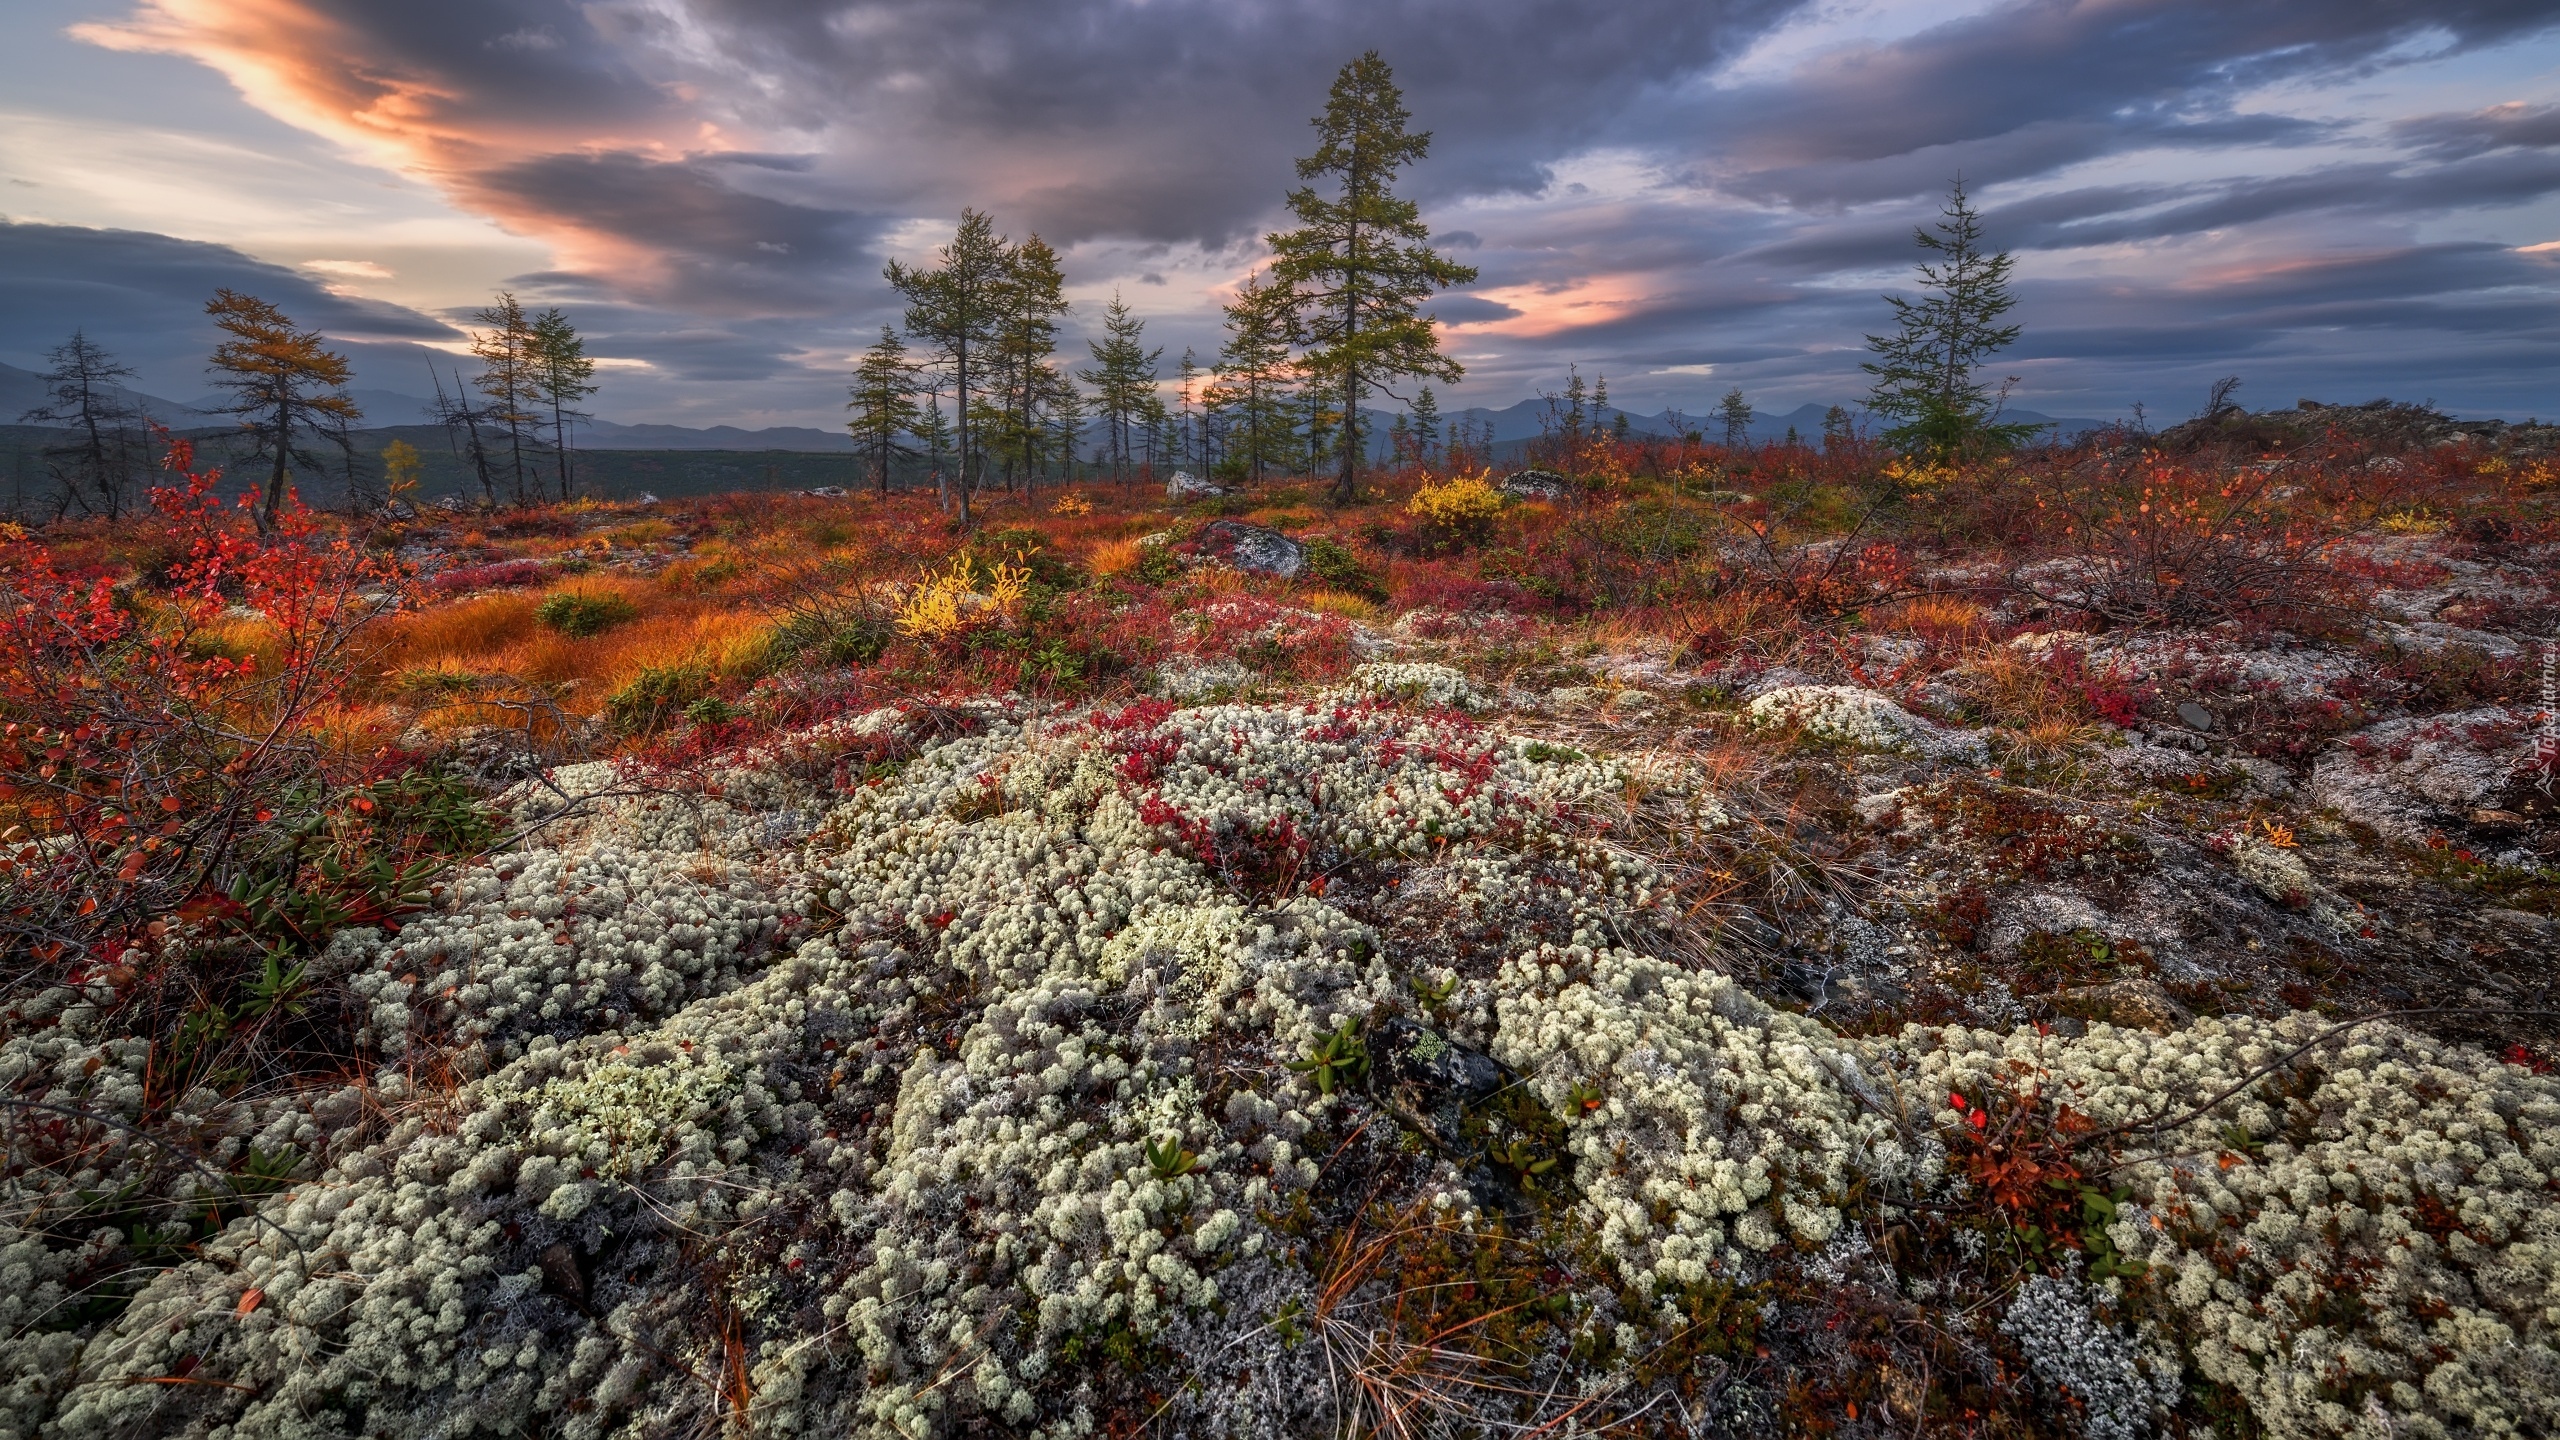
x: 720, y: 181
x: 142, y: 296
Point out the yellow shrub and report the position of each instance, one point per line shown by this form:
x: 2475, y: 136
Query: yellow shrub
x: 1464, y: 503
x: 2412, y: 522
x: 943, y: 605
x: 1072, y: 504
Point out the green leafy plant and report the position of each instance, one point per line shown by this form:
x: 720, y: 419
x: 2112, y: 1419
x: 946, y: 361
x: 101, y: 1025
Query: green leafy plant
x: 1169, y: 1160
x: 1339, y: 1058
x: 1524, y: 1162
x: 583, y: 613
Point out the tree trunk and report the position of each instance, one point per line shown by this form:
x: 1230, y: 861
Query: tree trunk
x: 275, y: 481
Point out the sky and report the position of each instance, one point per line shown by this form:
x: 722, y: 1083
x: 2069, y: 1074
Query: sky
x: 2338, y: 199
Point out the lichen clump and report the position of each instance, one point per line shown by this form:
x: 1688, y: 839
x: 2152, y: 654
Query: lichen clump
x: 1000, y: 1066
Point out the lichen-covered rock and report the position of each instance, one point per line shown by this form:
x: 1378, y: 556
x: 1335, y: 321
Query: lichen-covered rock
x: 1536, y: 485
x: 1850, y: 715
x: 1254, y: 549
x: 2409, y: 778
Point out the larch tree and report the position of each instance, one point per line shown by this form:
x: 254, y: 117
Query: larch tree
x: 958, y: 309
x: 97, y: 467
x: 1360, y: 262
x: 883, y: 405
x: 1253, y: 376
x: 1123, y: 378
x: 284, y: 383
x: 563, y: 375
x: 1928, y: 372
x: 509, y: 379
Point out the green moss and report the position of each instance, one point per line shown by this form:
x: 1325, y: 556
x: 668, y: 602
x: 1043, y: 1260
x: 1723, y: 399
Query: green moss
x: 580, y: 613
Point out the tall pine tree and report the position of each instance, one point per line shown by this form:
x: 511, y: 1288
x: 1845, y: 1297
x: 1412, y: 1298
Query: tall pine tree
x: 1251, y: 379
x: 508, y: 379
x: 1426, y: 425
x: 1359, y: 263
x: 1033, y: 299
x: 883, y: 405
x: 562, y: 371
x: 1927, y: 372
x: 959, y: 309
x: 1123, y: 378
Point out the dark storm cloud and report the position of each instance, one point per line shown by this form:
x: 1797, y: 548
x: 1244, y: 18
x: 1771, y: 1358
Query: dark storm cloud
x: 722, y: 246
x: 1178, y: 121
x: 142, y: 296
x: 2031, y: 86
x: 2499, y: 127
x: 721, y: 176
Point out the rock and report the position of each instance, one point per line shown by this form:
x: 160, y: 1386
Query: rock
x: 1430, y: 1080
x: 2279, y: 874
x: 1865, y: 719
x: 825, y: 492
x: 1256, y: 549
x: 1186, y: 486
x: 645, y: 501
x: 2194, y: 716
x: 2410, y: 778
x: 2137, y: 1001
x: 1536, y: 485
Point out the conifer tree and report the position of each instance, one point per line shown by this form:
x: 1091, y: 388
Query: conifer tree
x: 1123, y: 378
x: 935, y: 431
x: 1426, y: 424
x: 1359, y: 263
x: 1735, y: 411
x: 1928, y: 371
x: 1033, y: 298
x: 562, y: 372
x: 283, y: 385
x: 509, y: 380
x: 883, y: 405
x: 1836, y: 428
x: 1187, y: 387
x: 81, y: 394
x: 1252, y: 378
x: 958, y: 309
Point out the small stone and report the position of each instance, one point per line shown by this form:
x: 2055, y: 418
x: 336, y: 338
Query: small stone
x: 2196, y: 716
x: 1186, y: 486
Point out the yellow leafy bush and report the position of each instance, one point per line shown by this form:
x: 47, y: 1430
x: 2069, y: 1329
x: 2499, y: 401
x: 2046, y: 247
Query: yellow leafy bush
x: 941, y: 606
x: 1466, y: 504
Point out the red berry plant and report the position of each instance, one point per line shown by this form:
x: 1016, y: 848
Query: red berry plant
x: 187, y: 818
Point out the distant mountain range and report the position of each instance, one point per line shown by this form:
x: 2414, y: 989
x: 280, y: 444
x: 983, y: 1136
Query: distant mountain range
x: 23, y: 390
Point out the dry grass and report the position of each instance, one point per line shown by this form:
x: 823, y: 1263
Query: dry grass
x: 1342, y: 603
x: 1939, y: 619
x: 498, y: 635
